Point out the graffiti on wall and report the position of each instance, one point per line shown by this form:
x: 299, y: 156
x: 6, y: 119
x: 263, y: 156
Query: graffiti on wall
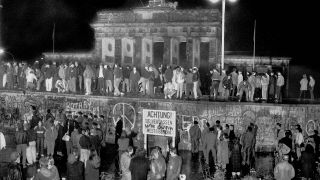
x: 130, y: 111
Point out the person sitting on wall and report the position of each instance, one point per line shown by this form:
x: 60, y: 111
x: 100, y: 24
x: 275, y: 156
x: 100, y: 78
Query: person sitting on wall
x: 169, y: 90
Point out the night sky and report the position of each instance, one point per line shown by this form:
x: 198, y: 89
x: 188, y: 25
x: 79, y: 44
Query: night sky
x: 284, y: 27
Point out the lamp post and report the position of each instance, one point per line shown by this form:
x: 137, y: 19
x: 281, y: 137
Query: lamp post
x: 2, y: 51
x: 222, y: 27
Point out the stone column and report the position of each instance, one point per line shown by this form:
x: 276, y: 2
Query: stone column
x: 213, y: 52
x: 189, y: 50
x: 118, y: 51
x: 137, y: 52
x: 166, y: 50
x: 196, y: 52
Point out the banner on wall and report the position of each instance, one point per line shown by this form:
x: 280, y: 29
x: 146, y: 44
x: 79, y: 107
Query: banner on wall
x: 147, y: 51
x: 159, y: 122
x: 108, y: 50
x: 127, y: 51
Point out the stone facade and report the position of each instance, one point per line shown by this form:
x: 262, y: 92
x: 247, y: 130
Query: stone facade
x: 157, y: 23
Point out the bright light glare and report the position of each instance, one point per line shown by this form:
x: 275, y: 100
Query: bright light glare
x: 214, y: 1
x: 232, y: 1
x: 1, y: 51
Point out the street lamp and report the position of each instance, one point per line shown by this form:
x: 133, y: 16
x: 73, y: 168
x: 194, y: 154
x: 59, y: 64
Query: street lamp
x: 2, y: 51
x: 222, y: 28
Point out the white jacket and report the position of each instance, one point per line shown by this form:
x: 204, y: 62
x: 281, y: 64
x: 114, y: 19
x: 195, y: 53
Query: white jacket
x: 2, y: 141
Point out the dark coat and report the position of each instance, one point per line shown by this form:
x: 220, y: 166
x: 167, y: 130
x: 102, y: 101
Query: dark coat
x: 139, y: 167
x: 75, y: 168
x: 235, y: 157
x: 308, y: 164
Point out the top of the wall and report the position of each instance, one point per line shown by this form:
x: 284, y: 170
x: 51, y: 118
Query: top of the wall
x: 158, y: 15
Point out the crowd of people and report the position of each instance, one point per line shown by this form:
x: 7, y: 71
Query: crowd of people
x: 75, y: 143
x: 224, y: 149
x: 297, y: 155
x: 172, y: 82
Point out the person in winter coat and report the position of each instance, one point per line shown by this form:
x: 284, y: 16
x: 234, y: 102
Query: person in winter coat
x: 85, y: 145
x: 40, y: 131
x: 272, y: 87
x: 47, y: 170
x: 195, y: 80
x: 72, y: 78
x: 210, y: 144
x: 49, y: 73
x: 31, y: 149
x: 21, y: 140
x: 234, y: 76
x: 303, y: 86
x: 252, y: 82
x: 134, y: 80
x: 126, y: 76
x: 195, y: 135
x: 139, y: 165
x: 235, y: 157
x: 125, y: 160
x: 157, y: 166
x: 215, y: 81
x: 227, y: 87
x: 40, y: 78
x: 180, y: 81
x: 117, y: 79
x: 31, y: 79
x: 265, y: 84
x: 221, y: 89
x: 14, y: 168
x: 284, y: 170
x: 308, y: 162
x: 92, y: 167
x: 88, y: 74
x: 50, y: 137
x: 174, y: 165
x: 75, y: 168
x: 244, y: 87
x: 223, y: 151
x: 280, y: 84
x: 247, y: 142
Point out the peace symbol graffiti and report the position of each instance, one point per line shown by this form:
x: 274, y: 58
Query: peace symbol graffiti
x: 310, y: 127
x: 126, y: 112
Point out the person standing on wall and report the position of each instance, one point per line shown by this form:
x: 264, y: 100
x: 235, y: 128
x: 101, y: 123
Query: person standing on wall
x: 312, y: 83
x: 195, y: 135
x: 303, y: 87
x: 280, y: 84
x: 234, y: 76
x: 272, y: 87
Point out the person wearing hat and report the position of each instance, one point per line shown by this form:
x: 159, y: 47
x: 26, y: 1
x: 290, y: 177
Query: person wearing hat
x: 284, y: 170
x: 195, y: 80
x: 31, y: 78
x: 125, y: 160
x: 50, y: 135
x: 72, y: 78
x: 45, y: 172
x: 174, y: 165
x: 21, y: 141
x: 14, y: 169
x: 139, y: 165
x: 157, y: 165
x: 49, y: 73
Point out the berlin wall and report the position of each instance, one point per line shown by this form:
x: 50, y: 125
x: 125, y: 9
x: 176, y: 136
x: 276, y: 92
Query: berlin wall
x: 239, y: 114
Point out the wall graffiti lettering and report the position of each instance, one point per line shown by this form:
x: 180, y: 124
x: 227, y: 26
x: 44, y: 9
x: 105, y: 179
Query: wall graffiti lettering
x: 264, y: 115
